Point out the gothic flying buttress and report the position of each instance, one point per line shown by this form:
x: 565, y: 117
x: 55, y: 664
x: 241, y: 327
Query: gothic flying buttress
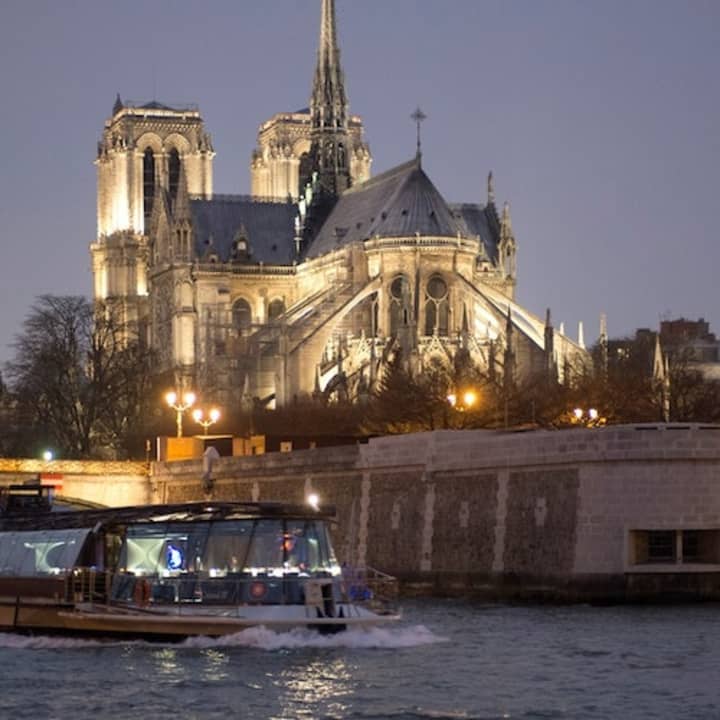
x: 330, y: 151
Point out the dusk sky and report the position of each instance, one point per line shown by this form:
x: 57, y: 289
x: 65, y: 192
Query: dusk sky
x: 599, y: 119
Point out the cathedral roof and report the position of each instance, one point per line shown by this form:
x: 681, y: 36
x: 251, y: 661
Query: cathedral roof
x: 400, y: 203
x: 268, y: 227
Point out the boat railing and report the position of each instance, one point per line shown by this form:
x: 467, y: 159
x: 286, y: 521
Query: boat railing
x: 371, y: 588
x: 366, y: 587
x: 87, y: 585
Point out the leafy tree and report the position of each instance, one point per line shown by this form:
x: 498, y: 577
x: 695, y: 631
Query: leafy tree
x: 79, y: 379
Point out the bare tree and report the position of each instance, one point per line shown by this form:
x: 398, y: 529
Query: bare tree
x: 79, y: 378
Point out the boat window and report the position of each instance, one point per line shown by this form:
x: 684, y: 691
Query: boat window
x: 307, y: 548
x: 260, y: 546
x: 164, y: 549
x: 227, y: 547
x: 40, y: 552
x: 266, y: 553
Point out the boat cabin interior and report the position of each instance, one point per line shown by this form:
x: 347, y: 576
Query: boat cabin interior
x: 197, y: 553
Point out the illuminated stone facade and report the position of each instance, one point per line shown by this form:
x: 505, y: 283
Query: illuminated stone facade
x: 284, y: 147
x: 313, y: 283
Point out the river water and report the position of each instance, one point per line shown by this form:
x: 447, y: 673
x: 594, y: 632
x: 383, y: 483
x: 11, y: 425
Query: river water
x: 446, y: 659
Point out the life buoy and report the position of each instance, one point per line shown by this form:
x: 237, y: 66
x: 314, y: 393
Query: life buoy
x: 258, y: 590
x: 141, y: 592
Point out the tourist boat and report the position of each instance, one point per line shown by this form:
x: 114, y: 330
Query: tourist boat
x: 175, y: 571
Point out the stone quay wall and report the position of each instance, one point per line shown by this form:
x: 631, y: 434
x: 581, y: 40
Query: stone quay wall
x: 95, y: 481
x: 556, y: 515
x: 542, y: 515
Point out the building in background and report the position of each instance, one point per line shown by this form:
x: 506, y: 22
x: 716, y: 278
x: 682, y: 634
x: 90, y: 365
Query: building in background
x: 681, y: 342
x: 318, y: 279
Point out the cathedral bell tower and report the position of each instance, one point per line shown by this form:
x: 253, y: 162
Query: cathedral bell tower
x: 145, y: 149
x: 329, y: 136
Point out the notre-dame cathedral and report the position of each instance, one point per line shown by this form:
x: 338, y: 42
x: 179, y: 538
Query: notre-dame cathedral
x: 315, y: 281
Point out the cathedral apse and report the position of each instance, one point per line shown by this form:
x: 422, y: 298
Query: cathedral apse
x: 316, y: 280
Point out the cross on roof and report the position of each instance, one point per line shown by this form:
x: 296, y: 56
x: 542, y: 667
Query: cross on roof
x: 419, y: 116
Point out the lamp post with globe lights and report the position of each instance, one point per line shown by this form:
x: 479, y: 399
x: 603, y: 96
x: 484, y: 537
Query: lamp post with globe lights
x: 180, y: 405
x: 212, y: 417
x: 589, y: 418
x: 462, y: 401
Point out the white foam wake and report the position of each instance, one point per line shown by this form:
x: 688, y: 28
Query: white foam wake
x: 261, y: 637
x: 43, y: 642
x: 255, y: 637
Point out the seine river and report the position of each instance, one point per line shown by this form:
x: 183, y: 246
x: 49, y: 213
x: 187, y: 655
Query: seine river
x: 445, y: 660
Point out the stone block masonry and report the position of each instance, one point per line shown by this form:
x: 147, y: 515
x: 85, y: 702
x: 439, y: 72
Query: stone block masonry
x: 613, y: 514
x: 529, y: 516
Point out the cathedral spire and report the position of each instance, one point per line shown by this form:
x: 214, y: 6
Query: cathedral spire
x: 181, y: 200
x: 550, y: 367
x: 329, y: 110
x: 603, y: 346
x: 506, y: 223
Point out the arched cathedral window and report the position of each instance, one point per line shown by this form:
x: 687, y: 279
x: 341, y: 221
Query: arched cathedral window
x: 241, y: 316
x: 148, y: 184
x: 275, y: 309
x: 437, y: 311
x: 173, y: 173
x: 399, y: 303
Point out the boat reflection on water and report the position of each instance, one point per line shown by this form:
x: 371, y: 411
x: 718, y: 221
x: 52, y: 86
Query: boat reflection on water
x: 173, y: 571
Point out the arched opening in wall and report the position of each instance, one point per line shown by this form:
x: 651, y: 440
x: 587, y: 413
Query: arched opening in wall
x: 374, y: 315
x: 275, y: 309
x: 148, y: 185
x: 241, y: 316
x: 437, y: 310
x: 173, y: 173
x: 304, y: 173
x: 399, y: 303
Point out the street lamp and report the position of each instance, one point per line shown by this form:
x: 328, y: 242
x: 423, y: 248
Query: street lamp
x: 180, y: 406
x: 464, y: 402
x: 213, y: 417
x: 589, y: 418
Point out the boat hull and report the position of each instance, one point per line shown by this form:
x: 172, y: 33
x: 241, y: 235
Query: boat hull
x: 103, y: 621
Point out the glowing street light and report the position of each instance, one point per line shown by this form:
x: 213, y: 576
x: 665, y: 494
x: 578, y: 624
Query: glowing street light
x: 464, y: 402
x: 47, y: 455
x: 206, y: 422
x: 469, y: 398
x: 589, y: 418
x: 180, y: 406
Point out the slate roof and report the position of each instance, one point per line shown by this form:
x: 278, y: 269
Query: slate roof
x: 269, y: 228
x: 399, y: 203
